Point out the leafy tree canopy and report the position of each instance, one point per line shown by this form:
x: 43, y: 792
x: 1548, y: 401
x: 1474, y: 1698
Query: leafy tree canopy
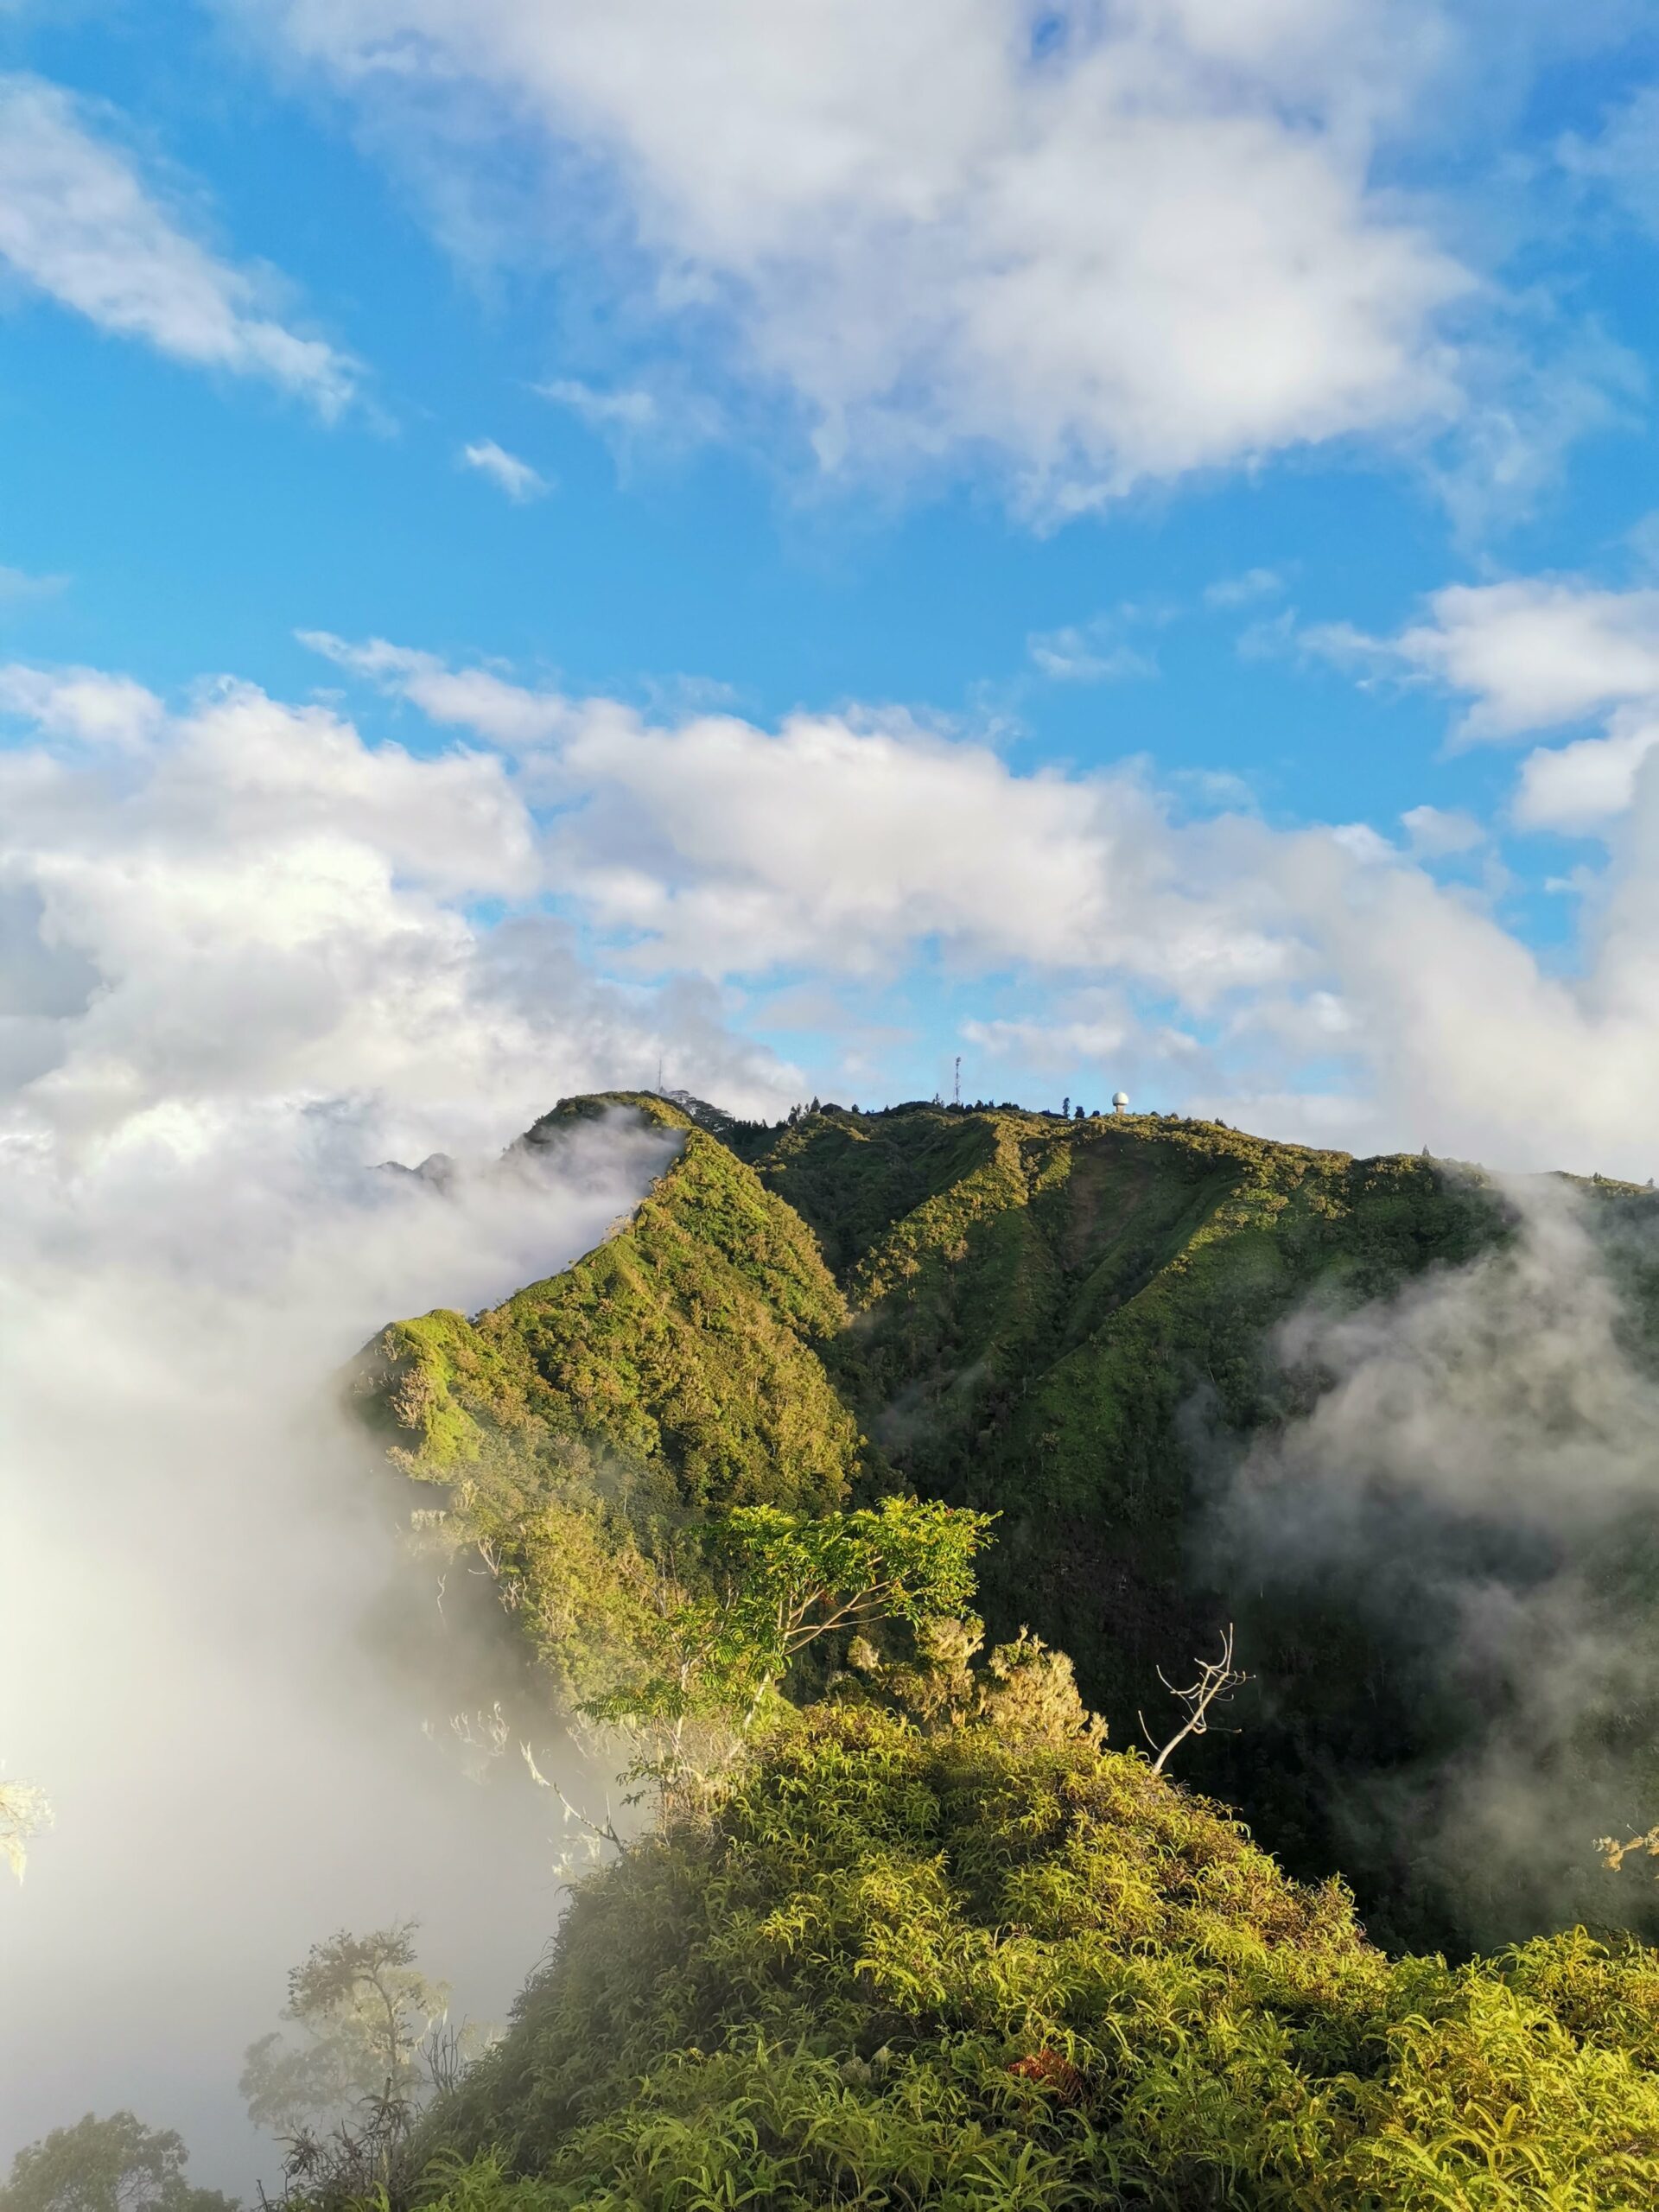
x: 777, y: 1581
x: 113, y: 2164
x: 363, y: 2009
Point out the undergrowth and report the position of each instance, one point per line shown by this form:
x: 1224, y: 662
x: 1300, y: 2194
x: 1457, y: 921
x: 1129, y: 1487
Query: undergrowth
x: 985, y: 1967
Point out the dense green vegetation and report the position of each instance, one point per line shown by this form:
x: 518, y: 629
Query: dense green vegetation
x: 1066, y: 1323
x: 994, y: 1965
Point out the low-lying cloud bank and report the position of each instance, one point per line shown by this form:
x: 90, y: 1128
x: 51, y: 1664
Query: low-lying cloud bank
x: 1473, y: 1489
x: 192, y: 1656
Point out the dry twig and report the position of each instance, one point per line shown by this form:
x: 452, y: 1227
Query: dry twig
x: 1217, y: 1680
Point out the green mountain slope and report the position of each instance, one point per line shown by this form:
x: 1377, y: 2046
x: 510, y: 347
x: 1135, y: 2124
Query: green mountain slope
x: 685, y: 1347
x: 1069, y: 1323
x: 674, y: 1371
x: 1031, y: 1328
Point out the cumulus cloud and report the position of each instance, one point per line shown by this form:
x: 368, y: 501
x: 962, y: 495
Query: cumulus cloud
x: 1529, y: 654
x: 516, y: 478
x: 1536, y: 653
x: 81, y: 702
x: 1109, y: 245
x: 79, y: 222
x: 851, y: 844
x: 255, y: 902
x: 1585, y: 785
x: 1437, y: 833
x: 841, y: 840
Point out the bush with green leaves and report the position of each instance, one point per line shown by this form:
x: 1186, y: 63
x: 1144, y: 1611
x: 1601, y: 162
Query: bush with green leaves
x: 996, y: 1965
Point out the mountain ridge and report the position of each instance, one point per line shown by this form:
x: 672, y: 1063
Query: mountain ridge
x: 1071, y: 1323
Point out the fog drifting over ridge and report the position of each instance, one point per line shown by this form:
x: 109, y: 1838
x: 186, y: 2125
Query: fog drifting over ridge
x: 1471, y: 1477
x: 194, y: 1546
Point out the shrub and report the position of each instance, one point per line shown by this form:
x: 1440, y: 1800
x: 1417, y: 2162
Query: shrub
x: 989, y: 1966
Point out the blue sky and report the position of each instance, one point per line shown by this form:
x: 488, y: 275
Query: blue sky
x: 1119, y: 540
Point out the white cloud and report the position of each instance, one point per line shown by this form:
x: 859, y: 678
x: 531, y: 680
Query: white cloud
x: 832, y: 844
x: 1056, y: 1044
x: 1533, y: 654
x: 79, y: 222
x: 710, y: 844
x: 1365, y: 843
x: 81, y: 702
x: 1112, y: 246
x: 1585, y: 785
x: 469, y: 698
x: 846, y: 842
x: 628, y: 408
x: 244, y: 901
x: 847, y: 845
x: 1530, y: 654
x: 516, y: 478
x: 248, y: 901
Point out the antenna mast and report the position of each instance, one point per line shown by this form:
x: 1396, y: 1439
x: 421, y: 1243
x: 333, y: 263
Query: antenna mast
x: 958, y: 1078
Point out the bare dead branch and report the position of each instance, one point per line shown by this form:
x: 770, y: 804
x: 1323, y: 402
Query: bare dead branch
x: 1217, y: 1681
